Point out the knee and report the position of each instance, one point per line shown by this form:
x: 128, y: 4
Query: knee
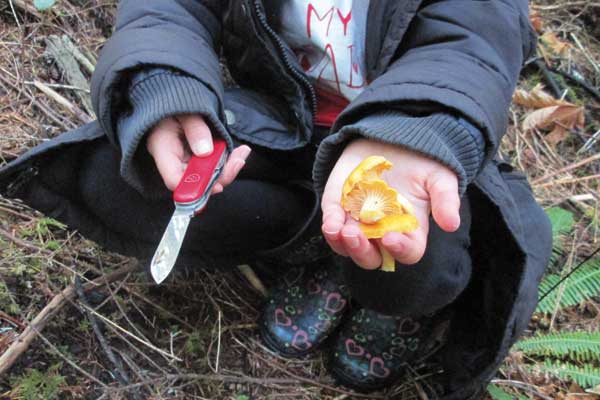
x: 413, y: 290
x: 426, y: 287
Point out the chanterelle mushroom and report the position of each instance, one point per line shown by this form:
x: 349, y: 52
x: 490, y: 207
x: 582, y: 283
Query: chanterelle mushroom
x: 378, y: 207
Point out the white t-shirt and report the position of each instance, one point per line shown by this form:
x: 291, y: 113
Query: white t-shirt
x: 328, y: 37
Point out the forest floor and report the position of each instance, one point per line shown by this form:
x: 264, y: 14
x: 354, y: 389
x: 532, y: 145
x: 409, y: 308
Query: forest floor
x: 195, y: 336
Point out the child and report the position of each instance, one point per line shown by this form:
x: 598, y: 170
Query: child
x: 322, y: 85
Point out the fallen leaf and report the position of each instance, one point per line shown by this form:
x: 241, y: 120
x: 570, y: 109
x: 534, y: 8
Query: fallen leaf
x: 558, y: 116
x: 557, y: 135
x: 536, y: 21
x: 595, y: 390
x: 575, y: 389
x: 536, y: 98
x: 559, y: 119
x: 554, y: 45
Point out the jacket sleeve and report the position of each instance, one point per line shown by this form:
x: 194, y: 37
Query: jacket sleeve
x: 177, y: 37
x: 460, y: 58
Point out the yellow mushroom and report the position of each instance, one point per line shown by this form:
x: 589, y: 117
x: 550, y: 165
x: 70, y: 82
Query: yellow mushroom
x: 370, y: 201
x: 378, y: 207
x: 369, y: 169
x: 394, y: 223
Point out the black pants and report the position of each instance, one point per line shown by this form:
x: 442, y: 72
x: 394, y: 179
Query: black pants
x: 264, y: 209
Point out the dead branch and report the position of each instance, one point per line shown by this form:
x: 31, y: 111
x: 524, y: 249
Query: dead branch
x: 23, y: 5
x: 120, y: 373
x: 48, y: 112
x: 568, y: 168
x: 70, y: 107
x: 68, y: 57
x: 22, y: 343
x: 210, y: 378
x: 62, y: 49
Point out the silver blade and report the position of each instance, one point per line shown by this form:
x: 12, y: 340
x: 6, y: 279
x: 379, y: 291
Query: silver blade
x: 170, y: 244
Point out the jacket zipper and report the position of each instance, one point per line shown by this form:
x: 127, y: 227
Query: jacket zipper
x: 286, y: 60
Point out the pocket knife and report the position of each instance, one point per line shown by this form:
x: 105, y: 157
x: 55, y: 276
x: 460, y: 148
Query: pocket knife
x: 190, y: 197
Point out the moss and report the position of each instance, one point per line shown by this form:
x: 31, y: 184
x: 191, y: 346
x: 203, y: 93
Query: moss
x: 36, y: 385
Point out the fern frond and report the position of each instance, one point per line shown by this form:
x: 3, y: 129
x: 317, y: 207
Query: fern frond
x: 582, y: 346
x: 497, y: 393
x: 586, y: 376
x: 582, y: 285
x: 562, y: 221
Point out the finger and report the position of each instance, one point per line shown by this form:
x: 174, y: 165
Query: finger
x: 334, y: 217
x: 233, y: 166
x: 167, y: 149
x: 358, y: 247
x: 407, y: 248
x: 197, y: 134
x: 218, y: 188
x: 442, y: 187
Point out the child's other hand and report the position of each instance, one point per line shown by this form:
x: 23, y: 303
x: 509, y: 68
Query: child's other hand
x: 429, y: 185
x: 172, y: 142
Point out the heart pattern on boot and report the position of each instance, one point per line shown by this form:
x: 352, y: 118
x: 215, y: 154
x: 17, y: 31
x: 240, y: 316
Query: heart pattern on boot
x: 335, y: 302
x: 378, y: 369
x: 300, y: 341
x: 373, y: 349
x: 281, y: 318
x: 302, y: 311
x: 354, y: 349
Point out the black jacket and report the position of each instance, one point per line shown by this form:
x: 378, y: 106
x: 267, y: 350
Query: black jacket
x: 426, y: 61
x: 423, y: 59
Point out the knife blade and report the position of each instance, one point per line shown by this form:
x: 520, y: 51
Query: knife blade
x: 190, y: 197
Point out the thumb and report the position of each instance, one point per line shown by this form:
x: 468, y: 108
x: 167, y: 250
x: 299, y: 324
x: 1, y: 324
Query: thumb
x: 442, y: 187
x: 197, y: 133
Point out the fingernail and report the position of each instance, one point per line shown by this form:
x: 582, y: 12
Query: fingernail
x: 353, y: 241
x: 245, y: 152
x: 202, y: 147
x: 218, y: 189
x: 457, y: 223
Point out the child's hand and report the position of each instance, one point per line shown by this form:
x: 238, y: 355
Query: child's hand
x: 172, y: 142
x: 429, y: 185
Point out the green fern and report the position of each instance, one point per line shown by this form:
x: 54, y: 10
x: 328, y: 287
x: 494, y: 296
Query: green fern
x: 562, y: 222
x: 586, y: 376
x: 582, y: 285
x: 497, y: 393
x: 582, y: 346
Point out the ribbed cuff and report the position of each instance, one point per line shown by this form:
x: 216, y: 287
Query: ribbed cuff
x: 440, y: 136
x: 155, y: 96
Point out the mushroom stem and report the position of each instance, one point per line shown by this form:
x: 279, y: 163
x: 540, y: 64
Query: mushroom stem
x: 388, y: 263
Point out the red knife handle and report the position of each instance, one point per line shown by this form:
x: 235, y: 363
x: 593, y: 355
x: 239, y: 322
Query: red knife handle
x: 199, y: 174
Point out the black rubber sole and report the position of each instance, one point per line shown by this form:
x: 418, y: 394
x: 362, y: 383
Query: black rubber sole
x: 272, y: 345
x: 352, y: 383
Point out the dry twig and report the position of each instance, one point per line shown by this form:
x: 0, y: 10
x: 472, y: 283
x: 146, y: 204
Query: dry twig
x: 39, y: 322
x: 67, y: 105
